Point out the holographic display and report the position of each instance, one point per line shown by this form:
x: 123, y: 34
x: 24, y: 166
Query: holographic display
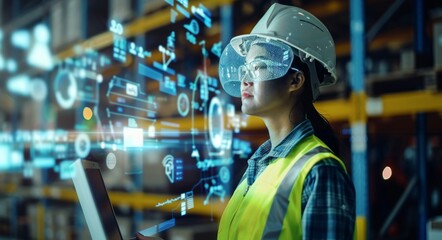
x: 158, y: 101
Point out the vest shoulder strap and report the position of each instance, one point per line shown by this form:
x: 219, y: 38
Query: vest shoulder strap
x: 274, y: 223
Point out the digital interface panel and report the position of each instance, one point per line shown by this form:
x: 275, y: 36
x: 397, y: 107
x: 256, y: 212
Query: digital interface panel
x: 135, y: 102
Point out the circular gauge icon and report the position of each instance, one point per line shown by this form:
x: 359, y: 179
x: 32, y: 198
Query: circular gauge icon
x: 183, y: 104
x: 224, y: 174
x: 111, y: 160
x: 38, y: 90
x: 216, y: 123
x: 65, y: 88
x: 82, y: 145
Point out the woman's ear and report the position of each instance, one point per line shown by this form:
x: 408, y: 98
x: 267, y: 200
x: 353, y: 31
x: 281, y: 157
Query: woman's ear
x: 297, y: 81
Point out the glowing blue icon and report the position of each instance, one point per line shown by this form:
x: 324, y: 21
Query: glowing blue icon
x: 183, y: 208
x: 168, y: 86
x: 165, y: 53
x: 173, y: 15
x: 61, y: 149
x: 181, y: 80
x: 116, y: 27
x: 182, y: 10
x: 170, y: 2
x: 66, y: 170
x: 212, y: 82
x: 11, y: 65
x: 216, y: 49
x: 242, y: 148
x: 131, y: 89
x: 39, y: 55
x: 203, y: 14
x: 42, y: 152
x: 149, y: 72
x: 120, y: 46
x: 111, y: 160
x: 203, y: 48
x: 230, y: 110
x: 216, y: 122
x: 168, y: 53
x: 21, y: 39
x: 285, y: 56
x: 65, y: 88
x: 151, y: 131
x: 193, y: 27
x: 17, y: 159
x: 133, y: 136
x: 132, y: 48
x: 169, y: 168
x: 183, y: 104
x: 195, y: 154
x: 132, y: 123
x: 18, y: 85
x: 190, y: 202
x: 178, y: 170
x: 140, y: 52
x: 185, y: 3
x: 28, y: 170
x: 191, y: 38
x: 224, y: 174
x: 38, y: 90
x: 99, y: 78
x: 204, y: 88
x: 82, y: 145
x: 173, y: 168
x: 217, y: 190
x: 171, y: 41
x: 22, y: 85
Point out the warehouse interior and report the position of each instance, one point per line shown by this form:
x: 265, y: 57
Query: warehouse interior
x: 133, y: 86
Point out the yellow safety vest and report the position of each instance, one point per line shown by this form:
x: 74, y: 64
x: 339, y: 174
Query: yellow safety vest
x: 271, y: 209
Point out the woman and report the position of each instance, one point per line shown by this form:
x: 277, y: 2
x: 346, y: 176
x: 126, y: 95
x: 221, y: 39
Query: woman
x: 295, y: 185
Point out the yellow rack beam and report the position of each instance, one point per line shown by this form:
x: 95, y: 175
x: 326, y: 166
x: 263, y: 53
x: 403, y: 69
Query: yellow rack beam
x: 411, y: 103
x: 388, y: 105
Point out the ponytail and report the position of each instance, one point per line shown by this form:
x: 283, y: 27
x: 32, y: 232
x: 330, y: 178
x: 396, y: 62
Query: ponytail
x: 322, y: 128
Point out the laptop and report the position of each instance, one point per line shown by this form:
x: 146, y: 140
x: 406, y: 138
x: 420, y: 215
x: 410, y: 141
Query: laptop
x: 94, y: 201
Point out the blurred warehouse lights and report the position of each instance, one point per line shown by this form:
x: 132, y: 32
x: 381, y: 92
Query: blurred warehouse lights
x: 387, y: 173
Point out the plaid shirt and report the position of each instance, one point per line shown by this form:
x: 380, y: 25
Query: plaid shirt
x: 328, y: 195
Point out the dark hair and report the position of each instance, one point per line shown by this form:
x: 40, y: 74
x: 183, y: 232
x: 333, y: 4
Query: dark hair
x: 322, y: 128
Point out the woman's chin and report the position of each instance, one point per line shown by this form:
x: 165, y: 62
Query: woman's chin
x: 247, y: 110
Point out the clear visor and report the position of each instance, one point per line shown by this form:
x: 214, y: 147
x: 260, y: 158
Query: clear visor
x: 253, y: 59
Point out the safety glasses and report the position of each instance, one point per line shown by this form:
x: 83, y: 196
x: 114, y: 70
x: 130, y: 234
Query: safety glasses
x: 253, y: 59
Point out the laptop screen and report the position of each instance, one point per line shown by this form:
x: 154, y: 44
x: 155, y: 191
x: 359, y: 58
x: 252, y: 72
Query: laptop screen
x: 103, y: 204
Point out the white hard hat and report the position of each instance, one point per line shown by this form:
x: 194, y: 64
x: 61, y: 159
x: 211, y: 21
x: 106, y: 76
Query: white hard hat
x: 302, y: 31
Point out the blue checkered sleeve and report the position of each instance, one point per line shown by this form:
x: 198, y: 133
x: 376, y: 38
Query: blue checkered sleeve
x: 328, y: 197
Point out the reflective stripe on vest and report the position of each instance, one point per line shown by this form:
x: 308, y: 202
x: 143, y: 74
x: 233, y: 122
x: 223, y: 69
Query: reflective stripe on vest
x: 280, y: 203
